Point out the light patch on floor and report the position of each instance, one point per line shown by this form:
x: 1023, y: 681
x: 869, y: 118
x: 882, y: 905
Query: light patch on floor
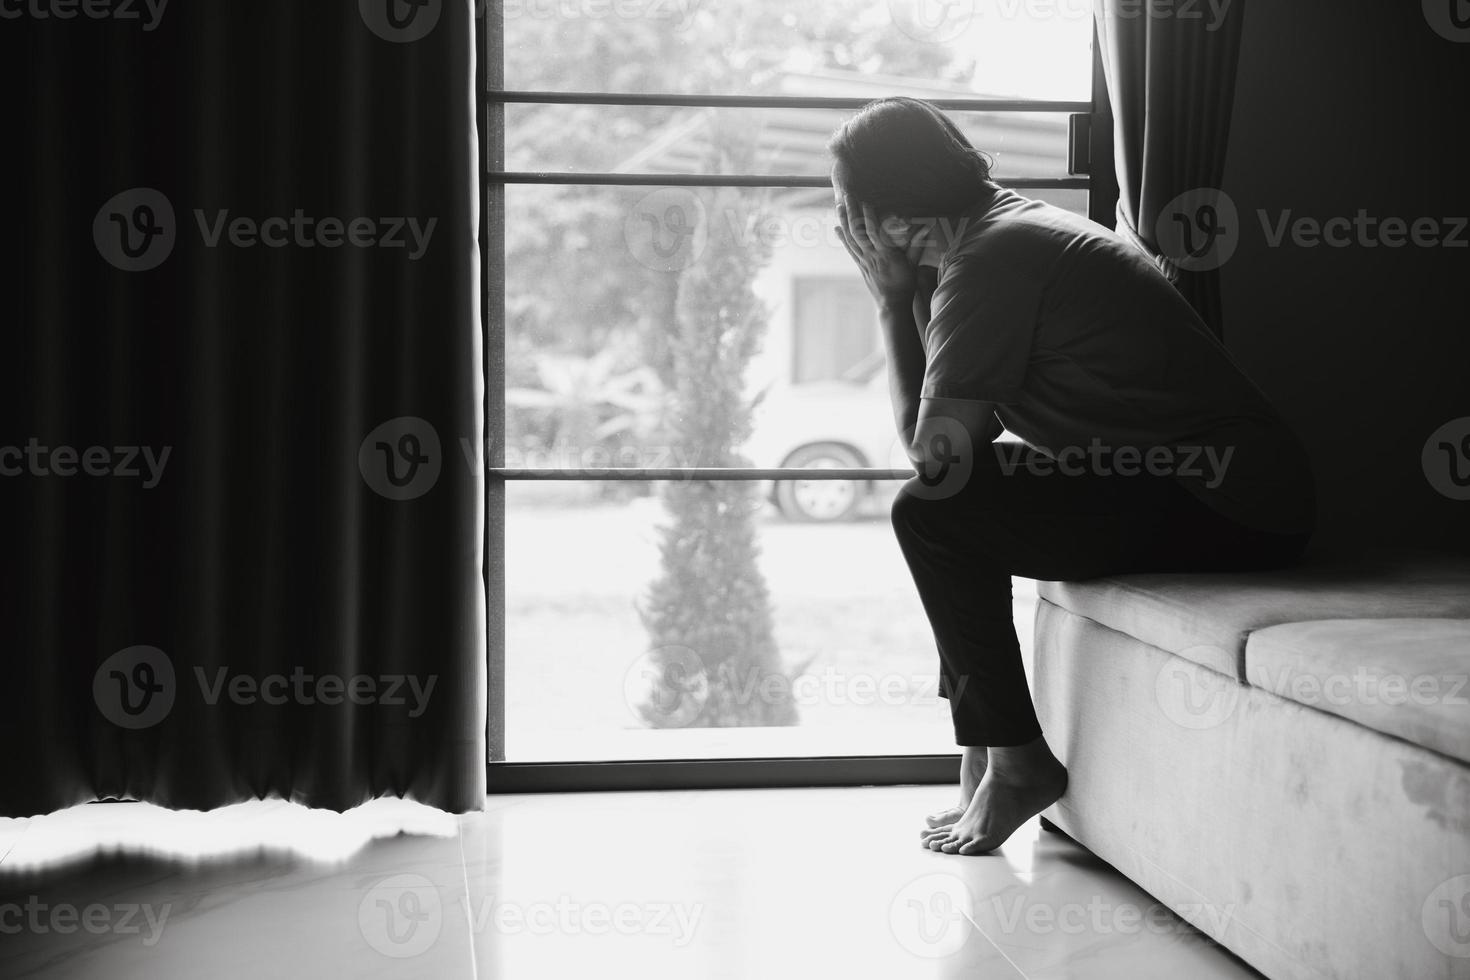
x: 739, y: 883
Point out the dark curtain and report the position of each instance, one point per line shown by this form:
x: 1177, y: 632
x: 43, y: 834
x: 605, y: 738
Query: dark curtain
x: 1170, y: 72
x: 267, y: 609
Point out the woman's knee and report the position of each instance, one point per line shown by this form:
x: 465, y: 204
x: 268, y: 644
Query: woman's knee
x: 915, y: 502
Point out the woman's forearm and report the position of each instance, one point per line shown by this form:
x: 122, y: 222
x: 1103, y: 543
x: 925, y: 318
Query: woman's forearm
x: 904, y: 323
x: 905, y: 360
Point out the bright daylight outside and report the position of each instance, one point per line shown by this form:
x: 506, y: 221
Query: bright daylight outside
x: 677, y: 326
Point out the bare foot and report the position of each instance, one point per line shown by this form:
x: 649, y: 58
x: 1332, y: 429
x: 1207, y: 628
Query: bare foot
x: 1019, y: 783
x: 972, y: 768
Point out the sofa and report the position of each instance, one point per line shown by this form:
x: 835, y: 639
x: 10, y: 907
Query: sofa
x: 1282, y: 758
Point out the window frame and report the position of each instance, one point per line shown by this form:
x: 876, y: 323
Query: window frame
x: 491, y: 98
x: 799, y: 304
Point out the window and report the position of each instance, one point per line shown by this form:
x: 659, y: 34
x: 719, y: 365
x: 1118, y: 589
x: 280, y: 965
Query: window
x: 834, y: 328
x: 691, y: 448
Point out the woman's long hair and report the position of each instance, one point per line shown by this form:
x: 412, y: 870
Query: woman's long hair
x: 905, y: 157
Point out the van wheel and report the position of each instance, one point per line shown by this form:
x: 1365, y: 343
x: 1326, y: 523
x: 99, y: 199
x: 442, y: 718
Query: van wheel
x: 820, y: 501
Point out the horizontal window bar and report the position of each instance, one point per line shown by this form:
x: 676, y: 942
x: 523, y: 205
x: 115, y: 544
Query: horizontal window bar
x: 699, y: 473
x: 560, y: 777
x: 776, y: 101
x: 776, y: 141
x: 733, y: 180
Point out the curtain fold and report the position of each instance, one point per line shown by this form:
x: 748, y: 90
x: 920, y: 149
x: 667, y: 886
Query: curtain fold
x: 1170, y: 71
x: 250, y: 293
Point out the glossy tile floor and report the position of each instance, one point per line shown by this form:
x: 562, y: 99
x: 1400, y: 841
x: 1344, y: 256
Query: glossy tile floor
x: 752, y: 883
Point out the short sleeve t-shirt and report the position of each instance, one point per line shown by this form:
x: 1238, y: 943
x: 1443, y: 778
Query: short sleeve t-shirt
x: 1083, y: 345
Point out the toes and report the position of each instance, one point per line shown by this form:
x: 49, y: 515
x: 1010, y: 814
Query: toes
x: 976, y: 846
x: 944, y: 818
x: 953, y: 845
x: 938, y: 843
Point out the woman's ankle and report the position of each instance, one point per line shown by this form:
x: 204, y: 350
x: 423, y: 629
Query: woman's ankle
x: 1023, y: 762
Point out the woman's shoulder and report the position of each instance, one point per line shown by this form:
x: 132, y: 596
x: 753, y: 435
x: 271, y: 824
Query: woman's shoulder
x: 1013, y: 232
x: 1032, y: 231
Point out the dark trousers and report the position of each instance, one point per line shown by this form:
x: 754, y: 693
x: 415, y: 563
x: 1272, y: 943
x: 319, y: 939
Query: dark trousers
x: 1015, y: 515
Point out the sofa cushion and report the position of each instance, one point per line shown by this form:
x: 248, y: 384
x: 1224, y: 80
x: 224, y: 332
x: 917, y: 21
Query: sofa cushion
x: 1403, y: 677
x: 1206, y: 617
